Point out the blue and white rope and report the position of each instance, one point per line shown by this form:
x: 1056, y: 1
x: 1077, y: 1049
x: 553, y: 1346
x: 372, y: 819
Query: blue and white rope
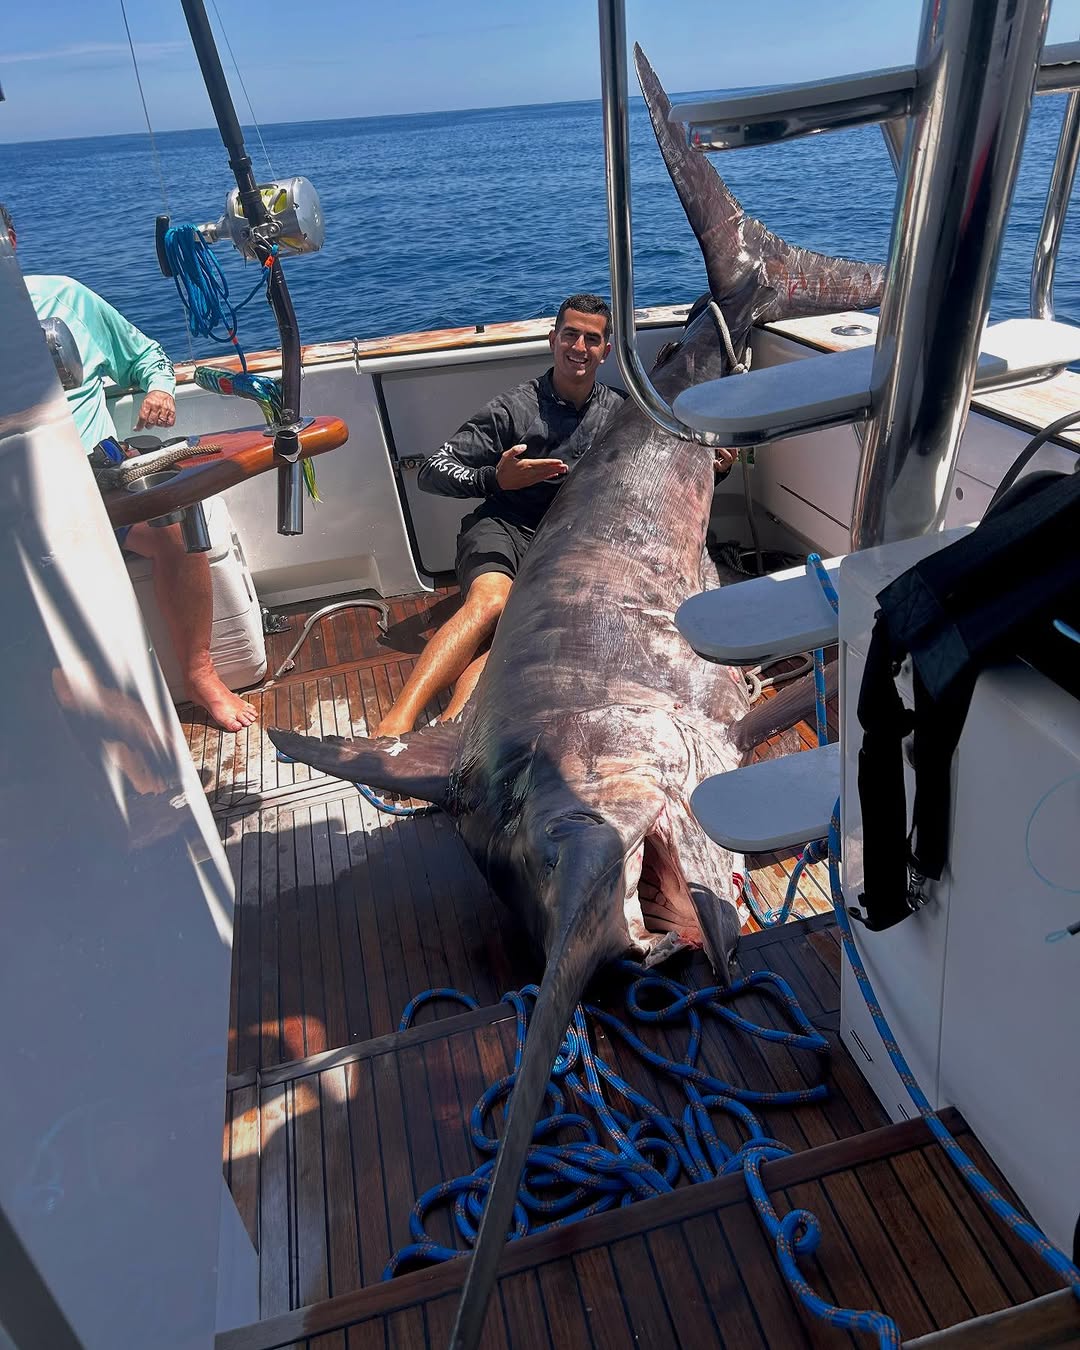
x: 203, y: 288
x: 617, y: 1158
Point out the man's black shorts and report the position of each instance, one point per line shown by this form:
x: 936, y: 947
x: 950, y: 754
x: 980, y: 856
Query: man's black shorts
x: 488, y: 544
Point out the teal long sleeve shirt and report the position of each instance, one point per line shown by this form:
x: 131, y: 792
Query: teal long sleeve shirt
x: 110, y: 347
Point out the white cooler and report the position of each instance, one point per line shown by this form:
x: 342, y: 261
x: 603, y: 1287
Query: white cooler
x: 237, y: 645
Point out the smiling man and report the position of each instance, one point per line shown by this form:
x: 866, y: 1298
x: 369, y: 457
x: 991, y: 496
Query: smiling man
x: 514, y: 453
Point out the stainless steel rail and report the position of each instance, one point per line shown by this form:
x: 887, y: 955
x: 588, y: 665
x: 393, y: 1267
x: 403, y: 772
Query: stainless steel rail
x: 960, y: 161
x: 613, y: 75
x: 1057, y: 205
x: 1059, y: 69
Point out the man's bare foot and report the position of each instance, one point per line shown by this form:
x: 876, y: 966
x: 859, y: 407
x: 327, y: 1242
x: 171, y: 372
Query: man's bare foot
x: 393, y: 725
x: 228, y: 710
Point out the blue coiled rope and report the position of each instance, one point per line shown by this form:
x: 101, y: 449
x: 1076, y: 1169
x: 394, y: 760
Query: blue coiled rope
x: 203, y: 288
x: 615, y: 1158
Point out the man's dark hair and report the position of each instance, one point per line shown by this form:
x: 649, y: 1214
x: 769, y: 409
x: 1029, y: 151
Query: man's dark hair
x: 585, y: 303
x: 5, y: 218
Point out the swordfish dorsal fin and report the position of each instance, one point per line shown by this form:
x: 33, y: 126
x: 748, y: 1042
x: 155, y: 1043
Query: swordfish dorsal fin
x: 416, y: 765
x: 755, y: 272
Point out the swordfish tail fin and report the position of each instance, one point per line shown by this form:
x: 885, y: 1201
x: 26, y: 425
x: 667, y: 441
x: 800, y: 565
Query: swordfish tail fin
x: 751, y: 271
x: 570, y: 965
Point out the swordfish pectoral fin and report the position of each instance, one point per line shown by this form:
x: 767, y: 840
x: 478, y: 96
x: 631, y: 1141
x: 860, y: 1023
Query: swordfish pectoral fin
x: 416, y: 765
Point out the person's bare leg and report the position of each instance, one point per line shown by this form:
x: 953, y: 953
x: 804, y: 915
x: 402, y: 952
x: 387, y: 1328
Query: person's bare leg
x: 464, y: 688
x: 185, y: 597
x: 449, y: 652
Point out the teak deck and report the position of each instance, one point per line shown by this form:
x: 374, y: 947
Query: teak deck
x: 336, y: 1122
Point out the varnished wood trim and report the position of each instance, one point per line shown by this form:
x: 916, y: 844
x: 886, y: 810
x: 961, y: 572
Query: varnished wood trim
x: 432, y: 340
x: 1050, y: 1321
x: 424, y: 1285
x: 234, y: 457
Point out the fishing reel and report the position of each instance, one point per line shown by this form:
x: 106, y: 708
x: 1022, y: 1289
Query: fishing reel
x: 294, y: 223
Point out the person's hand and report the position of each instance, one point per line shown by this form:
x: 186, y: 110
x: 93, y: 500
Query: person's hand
x: 514, y: 472
x: 158, y: 410
x: 724, y: 459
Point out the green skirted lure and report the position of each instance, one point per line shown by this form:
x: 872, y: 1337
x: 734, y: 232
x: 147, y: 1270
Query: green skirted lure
x: 263, y: 390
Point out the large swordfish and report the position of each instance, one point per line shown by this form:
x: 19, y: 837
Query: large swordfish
x: 570, y: 769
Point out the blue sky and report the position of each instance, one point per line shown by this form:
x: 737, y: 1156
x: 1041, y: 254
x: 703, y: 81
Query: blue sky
x: 66, y: 70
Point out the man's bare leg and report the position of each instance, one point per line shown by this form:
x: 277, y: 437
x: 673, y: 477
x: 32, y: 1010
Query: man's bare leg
x: 184, y: 594
x: 464, y: 688
x: 449, y: 652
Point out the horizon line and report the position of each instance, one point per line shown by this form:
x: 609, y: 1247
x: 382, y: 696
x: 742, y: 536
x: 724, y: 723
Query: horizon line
x: 356, y: 117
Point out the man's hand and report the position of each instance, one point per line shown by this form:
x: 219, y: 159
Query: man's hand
x: 158, y: 410
x: 513, y: 472
x: 724, y: 459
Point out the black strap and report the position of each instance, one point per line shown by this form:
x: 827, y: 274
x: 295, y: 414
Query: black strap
x: 885, y: 722
x: 989, y: 596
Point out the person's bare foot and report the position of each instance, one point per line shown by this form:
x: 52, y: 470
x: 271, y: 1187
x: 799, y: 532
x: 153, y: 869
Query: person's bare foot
x: 228, y: 710
x: 393, y: 725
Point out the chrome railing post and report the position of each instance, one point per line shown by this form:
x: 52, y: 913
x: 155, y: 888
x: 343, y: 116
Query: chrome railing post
x: 1057, y: 206
x: 977, y: 69
x: 613, y: 87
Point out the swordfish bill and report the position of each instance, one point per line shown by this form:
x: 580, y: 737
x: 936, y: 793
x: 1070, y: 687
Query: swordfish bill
x: 570, y: 769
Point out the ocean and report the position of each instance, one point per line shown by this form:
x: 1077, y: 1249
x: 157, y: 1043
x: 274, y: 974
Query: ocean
x: 457, y: 218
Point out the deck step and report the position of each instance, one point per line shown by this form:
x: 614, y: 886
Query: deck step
x: 761, y: 620
x: 693, y: 1267
x: 838, y: 387
x: 1052, y: 1320
x: 775, y: 805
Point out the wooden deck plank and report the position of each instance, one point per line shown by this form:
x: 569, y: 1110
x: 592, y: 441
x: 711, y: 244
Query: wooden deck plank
x: 312, y: 975
x: 369, y: 1180
x: 246, y: 942
x: 972, y: 1270
x: 939, y: 1291
x: 309, y: 1198
x: 242, y: 1156
x: 405, y: 1330
x: 342, y: 1220
x: 345, y: 926
x: 722, y: 1282
x: 275, y: 1273
x: 696, y: 1327
x: 523, y: 1308
x: 565, y: 1311
x: 641, y: 1293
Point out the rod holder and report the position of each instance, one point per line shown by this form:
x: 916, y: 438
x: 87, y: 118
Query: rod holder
x: 194, y: 529
x: 291, y: 498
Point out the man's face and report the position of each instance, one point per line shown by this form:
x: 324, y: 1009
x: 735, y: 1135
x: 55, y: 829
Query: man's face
x: 578, y: 346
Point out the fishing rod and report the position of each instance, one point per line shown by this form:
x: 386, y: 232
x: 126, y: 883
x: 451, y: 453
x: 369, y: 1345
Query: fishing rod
x: 263, y: 222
